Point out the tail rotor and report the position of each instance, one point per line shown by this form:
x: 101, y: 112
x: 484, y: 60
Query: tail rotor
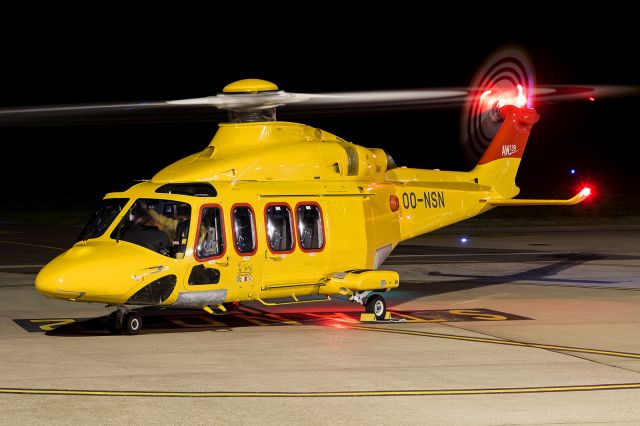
x: 506, y: 78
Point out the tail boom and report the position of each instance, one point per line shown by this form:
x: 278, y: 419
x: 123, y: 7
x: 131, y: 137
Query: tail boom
x: 432, y: 199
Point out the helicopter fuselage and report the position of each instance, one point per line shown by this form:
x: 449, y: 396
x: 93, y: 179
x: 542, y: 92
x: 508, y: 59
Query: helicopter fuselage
x: 315, y: 205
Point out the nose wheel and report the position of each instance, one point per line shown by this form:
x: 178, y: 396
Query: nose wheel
x: 123, y: 321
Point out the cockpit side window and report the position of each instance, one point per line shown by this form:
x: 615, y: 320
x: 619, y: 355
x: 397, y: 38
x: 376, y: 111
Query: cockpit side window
x: 211, y: 241
x: 279, y: 228
x: 244, y: 229
x: 159, y: 225
x: 98, y: 223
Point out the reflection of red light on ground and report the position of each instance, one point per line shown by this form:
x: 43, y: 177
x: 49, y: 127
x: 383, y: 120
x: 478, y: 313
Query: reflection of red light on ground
x: 337, y: 325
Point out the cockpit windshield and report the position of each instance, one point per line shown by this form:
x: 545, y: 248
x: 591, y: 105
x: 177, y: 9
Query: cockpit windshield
x: 102, y: 218
x: 159, y: 225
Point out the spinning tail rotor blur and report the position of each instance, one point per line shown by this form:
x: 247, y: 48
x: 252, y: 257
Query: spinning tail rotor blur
x: 506, y: 78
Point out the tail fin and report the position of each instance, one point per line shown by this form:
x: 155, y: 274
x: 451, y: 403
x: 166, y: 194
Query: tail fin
x: 499, y: 164
x: 431, y: 199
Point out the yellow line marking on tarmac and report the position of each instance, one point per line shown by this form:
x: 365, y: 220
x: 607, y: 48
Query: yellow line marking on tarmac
x: 32, y: 245
x: 500, y: 342
x: 431, y: 392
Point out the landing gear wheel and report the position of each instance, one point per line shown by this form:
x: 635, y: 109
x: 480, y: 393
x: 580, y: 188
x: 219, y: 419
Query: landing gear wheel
x: 376, y: 305
x: 132, y: 323
x: 114, y: 324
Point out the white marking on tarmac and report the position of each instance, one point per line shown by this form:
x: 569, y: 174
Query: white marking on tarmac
x: 485, y: 254
x: 20, y: 266
x: 32, y: 245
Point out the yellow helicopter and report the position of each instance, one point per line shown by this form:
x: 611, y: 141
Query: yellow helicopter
x: 283, y: 213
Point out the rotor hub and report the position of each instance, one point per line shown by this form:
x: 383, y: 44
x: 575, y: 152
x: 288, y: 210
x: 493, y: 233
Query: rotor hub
x: 250, y: 85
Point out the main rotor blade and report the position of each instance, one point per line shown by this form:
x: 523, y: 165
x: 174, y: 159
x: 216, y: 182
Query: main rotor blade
x: 203, y: 109
x: 105, y: 113
x: 566, y: 93
x: 206, y: 108
x: 411, y: 96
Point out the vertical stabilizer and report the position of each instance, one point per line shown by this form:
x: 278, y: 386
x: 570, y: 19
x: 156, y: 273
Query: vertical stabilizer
x: 499, y: 164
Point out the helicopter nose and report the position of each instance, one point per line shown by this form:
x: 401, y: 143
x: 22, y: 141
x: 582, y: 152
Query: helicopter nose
x: 51, y: 282
x: 91, y: 272
x: 66, y: 277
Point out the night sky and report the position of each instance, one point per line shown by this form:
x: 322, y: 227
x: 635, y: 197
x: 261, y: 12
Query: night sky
x: 147, y: 58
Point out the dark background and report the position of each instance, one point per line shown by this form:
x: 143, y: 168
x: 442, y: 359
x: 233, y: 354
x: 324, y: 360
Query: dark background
x: 115, y: 55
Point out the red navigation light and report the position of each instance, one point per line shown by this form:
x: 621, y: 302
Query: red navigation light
x: 394, y: 203
x: 501, y: 96
x: 586, y: 191
x: 521, y: 99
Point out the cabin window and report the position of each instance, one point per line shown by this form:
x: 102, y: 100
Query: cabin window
x: 102, y: 218
x: 279, y: 227
x: 159, y: 225
x: 310, y: 227
x: 244, y: 229
x: 210, y: 242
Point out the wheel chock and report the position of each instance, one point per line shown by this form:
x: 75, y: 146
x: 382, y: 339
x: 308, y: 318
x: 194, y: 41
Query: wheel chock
x: 367, y: 317
x: 364, y: 317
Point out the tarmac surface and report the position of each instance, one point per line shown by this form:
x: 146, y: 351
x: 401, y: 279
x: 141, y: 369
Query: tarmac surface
x: 515, y: 326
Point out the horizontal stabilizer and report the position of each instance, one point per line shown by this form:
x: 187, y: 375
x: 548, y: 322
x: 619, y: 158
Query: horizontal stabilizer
x: 578, y: 198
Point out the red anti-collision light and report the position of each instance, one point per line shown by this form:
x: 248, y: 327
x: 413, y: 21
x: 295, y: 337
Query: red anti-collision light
x: 394, y: 203
x: 586, y: 191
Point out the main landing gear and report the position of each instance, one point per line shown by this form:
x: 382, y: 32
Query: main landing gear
x: 124, y: 321
x: 373, y: 303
